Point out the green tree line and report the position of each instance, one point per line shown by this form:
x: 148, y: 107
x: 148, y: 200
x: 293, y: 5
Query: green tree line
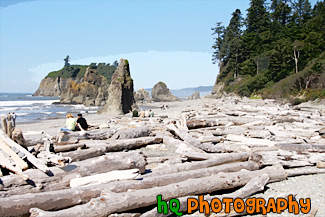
x: 278, y: 41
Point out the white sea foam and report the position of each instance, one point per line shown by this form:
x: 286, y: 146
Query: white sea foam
x: 61, y: 112
x: 48, y: 113
x: 92, y: 112
x: 8, y: 109
x: 26, y: 103
x: 22, y: 114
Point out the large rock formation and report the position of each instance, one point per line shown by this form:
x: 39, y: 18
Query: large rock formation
x: 84, y: 84
x: 160, y: 93
x: 142, y: 96
x: 92, y: 89
x: 120, y: 99
x: 195, y: 95
x: 52, y: 86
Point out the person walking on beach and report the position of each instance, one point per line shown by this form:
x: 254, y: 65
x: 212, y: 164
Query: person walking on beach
x: 13, y: 119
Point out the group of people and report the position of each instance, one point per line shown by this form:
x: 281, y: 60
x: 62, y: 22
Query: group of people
x: 12, y: 118
x: 164, y: 107
x: 142, y: 113
x: 72, y: 124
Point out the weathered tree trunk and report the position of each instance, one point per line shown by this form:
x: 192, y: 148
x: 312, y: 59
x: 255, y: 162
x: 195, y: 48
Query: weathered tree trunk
x: 185, y: 136
x: 194, y: 124
x: 19, y: 162
x: 143, y: 131
x: 62, y: 176
x: 62, y: 148
x: 17, y: 136
x: 105, y: 177
x: 255, y: 185
x: 100, y: 147
x: 84, y: 154
x: 69, y: 197
x: 300, y: 147
x: 111, y: 202
x: 31, y: 158
x: 125, y: 144
x: 304, y: 171
x: 182, y: 147
x: 10, y: 129
x: 202, y: 164
x: 4, y: 124
x: 5, y: 163
x: 205, y: 156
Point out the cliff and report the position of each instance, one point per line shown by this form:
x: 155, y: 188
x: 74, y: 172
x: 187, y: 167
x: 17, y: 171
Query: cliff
x: 92, y: 89
x: 80, y: 84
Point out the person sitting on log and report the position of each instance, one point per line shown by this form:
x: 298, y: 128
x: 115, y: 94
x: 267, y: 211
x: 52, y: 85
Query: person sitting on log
x: 135, y: 113
x: 70, y: 123
x: 81, y: 123
x: 142, y: 114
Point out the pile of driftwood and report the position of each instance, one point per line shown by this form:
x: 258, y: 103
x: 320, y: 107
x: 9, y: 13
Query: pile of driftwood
x: 120, y: 169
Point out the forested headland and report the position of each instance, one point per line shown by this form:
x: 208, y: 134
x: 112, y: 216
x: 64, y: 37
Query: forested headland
x: 276, y: 51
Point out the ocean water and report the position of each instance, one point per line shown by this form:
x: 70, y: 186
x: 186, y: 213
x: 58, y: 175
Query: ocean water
x: 30, y: 108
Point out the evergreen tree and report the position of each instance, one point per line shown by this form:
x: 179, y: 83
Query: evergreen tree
x: 301, y: 11
x: 219, y: 32
x: 285, y: 45
x: 231, y: 45
x: 257, y: 19
x: 280, y: 11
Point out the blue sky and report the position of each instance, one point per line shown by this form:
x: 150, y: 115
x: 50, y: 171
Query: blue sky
x: 164, y: 40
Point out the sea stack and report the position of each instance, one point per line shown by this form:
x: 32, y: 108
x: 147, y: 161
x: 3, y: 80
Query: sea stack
x: 142, y: 96
x: 160, y: 93
x: 120, y: 99
x: 91, y: 91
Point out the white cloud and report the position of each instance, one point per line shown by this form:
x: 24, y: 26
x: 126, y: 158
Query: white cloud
x: 178, y: 69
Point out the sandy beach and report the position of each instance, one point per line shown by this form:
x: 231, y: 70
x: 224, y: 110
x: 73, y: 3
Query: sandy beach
x: 217, y: 128
x: 53, y: 126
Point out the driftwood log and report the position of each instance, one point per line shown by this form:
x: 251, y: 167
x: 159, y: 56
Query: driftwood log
x: 4, y: 124
x: 194, y: 124
x: 203, y: 164
x: 253, y: 186
x: 40, y: 182
x: 69, y: 147
x: 100, y: 147
x: 70, y: 197
x: 143, y: 131
x: 111, y: 202
x: 31, y: 158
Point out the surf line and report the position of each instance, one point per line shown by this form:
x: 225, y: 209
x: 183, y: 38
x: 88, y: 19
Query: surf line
x: 250, y: 205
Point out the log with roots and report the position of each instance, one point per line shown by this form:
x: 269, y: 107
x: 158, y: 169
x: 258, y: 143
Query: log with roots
x: 111, y: 202
x: 253, y: 186
x: 70, y: 197
x: 62, y: 176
